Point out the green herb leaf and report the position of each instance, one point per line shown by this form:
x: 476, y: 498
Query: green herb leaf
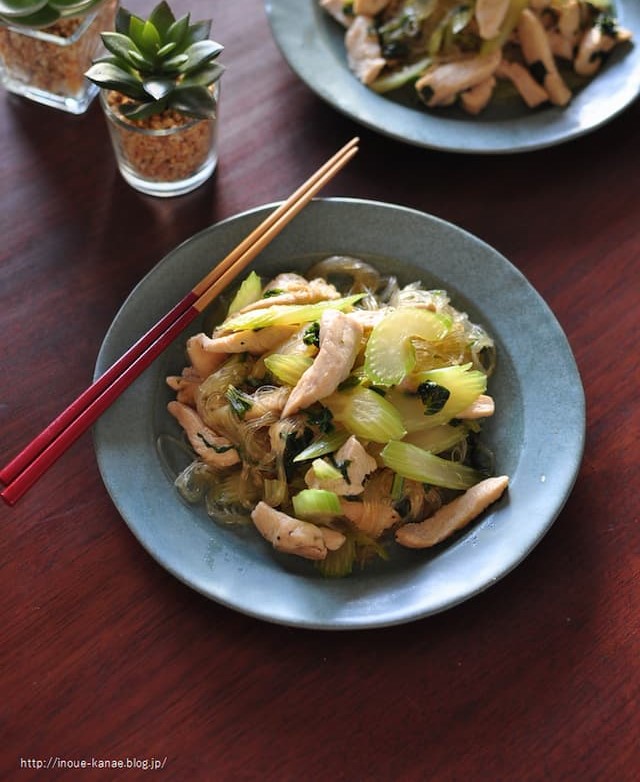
x: 434, y: 397
x: 328, y: 442
x: 239, y: 402
x: 321, y: 417
x: 311, y: 334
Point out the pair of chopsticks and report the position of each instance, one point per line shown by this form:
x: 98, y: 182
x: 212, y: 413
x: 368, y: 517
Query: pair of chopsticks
x: 36, y: 458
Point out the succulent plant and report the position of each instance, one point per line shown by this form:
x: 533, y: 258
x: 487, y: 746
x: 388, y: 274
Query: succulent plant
x: 159, y: 63
x: 41, y: 13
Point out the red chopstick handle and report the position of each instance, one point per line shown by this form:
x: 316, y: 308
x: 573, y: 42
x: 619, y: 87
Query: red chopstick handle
x: 66, y: 437
x: 20, y: 462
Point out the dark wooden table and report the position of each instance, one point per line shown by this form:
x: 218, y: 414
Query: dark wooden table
x: 105, y: 655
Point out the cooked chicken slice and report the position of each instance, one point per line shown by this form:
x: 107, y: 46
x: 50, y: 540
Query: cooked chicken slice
x: 336, y: 9
x: 569, y: 19
x: 453, y: 516
x: 287, y: 281
x: 532, y: 93
x: 441, y: 84
x: 357, y: 464
x: 369, y: 7
x: 214, y: 450
x: 475, y: 99
x: 373, y: 513
x: 340, y: 338
x: 560, y: 46
x: 293, y: 536
x: 367, y: 318
x: 482, y: 407
x: 203, y: 361
x: 490, y: 15
x: 537, y: 53
x: 293, y: 289
x: 564, y: 37
x: 363, y: 49
x: 185, y: 385
x: 248, y: 341
x: 595, y: 43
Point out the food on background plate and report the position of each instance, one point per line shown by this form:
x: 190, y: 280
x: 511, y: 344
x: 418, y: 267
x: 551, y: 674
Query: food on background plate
x: 339, y: 411
x: 466, y: 51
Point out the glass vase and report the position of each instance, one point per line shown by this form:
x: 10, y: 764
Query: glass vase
x: 47, y: 65
x: 164, y: 159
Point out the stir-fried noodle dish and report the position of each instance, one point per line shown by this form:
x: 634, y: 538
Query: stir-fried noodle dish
x: 472, y: 52
x: 339, y: 412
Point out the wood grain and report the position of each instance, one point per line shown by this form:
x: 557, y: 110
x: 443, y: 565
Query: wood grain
x: 106, y: 655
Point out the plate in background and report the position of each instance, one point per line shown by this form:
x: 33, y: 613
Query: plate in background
x: 312, y: 43
x: 537, y: 444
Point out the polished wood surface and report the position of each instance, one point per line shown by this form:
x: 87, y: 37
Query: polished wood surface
x: 107, y: 656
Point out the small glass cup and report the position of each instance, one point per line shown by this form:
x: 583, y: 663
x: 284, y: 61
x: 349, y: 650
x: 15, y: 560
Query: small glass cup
x: 47, y: 65
x: 163, y: 161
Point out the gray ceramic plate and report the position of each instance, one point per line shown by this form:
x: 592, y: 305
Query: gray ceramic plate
x: 312, y: 43
x: 537, y: 434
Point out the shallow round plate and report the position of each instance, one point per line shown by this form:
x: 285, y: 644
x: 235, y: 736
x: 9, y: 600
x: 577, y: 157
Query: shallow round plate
x: 313, y: 45
x: 538, y: 444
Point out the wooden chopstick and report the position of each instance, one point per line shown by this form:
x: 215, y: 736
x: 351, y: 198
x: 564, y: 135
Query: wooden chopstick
x: 36, y: 458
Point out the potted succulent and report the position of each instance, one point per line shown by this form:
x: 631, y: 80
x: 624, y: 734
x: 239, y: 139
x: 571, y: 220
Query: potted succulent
x: 47, y: 45
x: 160, y: 92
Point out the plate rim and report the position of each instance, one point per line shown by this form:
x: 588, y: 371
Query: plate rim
x: 619, y: 87
x: 105, y: 460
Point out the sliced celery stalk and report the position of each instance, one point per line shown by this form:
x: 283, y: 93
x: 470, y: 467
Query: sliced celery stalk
x: 366, y: 414
x: 287, y: 368
x: 397, y: 487
x: 441, y: 374
x: 464, y: 384
x: 453, y: 22
x: 396, y: 79
x: 287, y: 314
x: 326, y: 443
x: 438, y: 439
x: 249, y: 291
x: 325, y: 471
x: 313, y: 503
x: 419, y: 465
x: 389, y: 354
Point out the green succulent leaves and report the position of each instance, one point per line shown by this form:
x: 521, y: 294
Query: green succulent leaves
x: 41, y: 13
x: 159, y: 63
